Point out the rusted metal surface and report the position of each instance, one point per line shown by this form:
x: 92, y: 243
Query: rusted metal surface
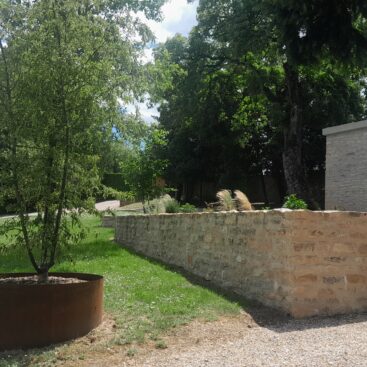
x: 39, y: 315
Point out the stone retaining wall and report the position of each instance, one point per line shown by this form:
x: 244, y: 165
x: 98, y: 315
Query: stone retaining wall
x: 305, y: 263
x: 108, y: 221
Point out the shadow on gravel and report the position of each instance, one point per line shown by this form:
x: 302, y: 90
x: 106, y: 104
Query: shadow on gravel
x: 267, y: 317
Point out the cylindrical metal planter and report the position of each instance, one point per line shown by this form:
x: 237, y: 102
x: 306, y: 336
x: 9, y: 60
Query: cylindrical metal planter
x: 43, y: 314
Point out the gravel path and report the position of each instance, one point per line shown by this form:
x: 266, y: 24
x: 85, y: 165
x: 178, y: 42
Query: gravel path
x: 104, y: 205
x: 111, y: 204
x: 338, y: 341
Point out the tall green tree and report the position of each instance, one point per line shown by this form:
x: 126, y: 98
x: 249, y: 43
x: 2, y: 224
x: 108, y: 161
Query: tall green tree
x: 65, y: 66
x: 144, y: 169
x: 294, y: 38
x: 209, y: 140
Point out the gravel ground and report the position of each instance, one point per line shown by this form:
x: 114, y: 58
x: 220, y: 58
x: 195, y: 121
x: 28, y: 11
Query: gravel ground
x: 110, y: 204
x: 340, y: 341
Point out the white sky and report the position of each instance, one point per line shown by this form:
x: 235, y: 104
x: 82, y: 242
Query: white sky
x: 178, y: 17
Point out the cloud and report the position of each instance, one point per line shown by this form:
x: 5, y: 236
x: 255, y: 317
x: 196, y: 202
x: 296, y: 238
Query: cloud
x: 178, y: 17
x: 146, y: 113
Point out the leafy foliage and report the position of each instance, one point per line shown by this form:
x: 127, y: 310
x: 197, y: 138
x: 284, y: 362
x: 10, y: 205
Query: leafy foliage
x: 64, y: 68
x: 172, y: 206
x: 142, y: 172
x: 292, y: 202
x: 187, y: 208
x: 250, y: 90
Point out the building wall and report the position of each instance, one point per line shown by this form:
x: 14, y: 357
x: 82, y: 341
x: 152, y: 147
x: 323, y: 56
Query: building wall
x: 305, y: 263
x: 346, y: 167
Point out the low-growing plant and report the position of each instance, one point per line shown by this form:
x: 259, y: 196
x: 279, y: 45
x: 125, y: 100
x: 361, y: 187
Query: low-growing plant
x: 158, y: 205
x: 172, y: 206
x: 161, y: 344
x: 292, y: 202
x: 188, y: 208
x: 131, y: 352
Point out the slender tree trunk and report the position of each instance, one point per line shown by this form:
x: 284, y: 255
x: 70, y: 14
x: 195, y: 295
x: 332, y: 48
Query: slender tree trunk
x: 65, y: 170
x: 48, y: 216
x: 43, y: 276
x: 294, y: 172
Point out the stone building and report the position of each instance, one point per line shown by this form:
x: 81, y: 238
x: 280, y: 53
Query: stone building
x: 346, y: 167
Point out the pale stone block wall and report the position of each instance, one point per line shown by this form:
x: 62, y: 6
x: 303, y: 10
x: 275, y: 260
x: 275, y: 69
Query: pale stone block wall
x: 108, y: 221
x: 346, y: 167
x: 305, y: 263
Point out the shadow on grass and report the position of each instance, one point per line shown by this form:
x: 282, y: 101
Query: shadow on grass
x: 267, y: 317
x: 46, y: 356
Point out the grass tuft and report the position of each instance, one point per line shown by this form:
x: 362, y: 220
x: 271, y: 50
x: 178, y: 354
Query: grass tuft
x: 226, y: 202
x: 242, y: 201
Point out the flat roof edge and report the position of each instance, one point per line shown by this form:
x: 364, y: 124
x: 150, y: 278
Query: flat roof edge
x: 345, y: 127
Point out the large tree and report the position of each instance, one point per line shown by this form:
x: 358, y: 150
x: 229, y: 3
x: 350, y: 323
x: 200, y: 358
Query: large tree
x: 65, y: 67
x: 250, y: 68
x: 293, y: 35
x: 215, y: 134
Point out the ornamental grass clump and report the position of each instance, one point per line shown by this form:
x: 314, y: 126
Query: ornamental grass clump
x: 225, y: 201
x: 242, y: 201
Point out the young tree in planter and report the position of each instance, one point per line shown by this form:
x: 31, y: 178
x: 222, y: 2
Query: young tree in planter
x: 63, y: 66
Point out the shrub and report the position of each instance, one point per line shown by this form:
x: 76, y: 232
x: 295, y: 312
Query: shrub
x: 188, y: 208
x: 172, y: 206
x: 292, y: 202
x: 158, y: 205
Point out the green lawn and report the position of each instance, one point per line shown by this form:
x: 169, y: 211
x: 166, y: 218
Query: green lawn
x: 142, y: 296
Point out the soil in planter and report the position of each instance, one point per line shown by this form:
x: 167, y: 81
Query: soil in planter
x: 33, y: 280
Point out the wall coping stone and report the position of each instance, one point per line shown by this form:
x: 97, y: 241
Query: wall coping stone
x: 273, y: 211
x: 346, y: 127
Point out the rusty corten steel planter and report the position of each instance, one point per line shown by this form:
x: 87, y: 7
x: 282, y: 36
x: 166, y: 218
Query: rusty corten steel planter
x: 39, y: 315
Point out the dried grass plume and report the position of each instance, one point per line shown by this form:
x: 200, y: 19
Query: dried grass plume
x: 225, y: 200
x: 242, y: 201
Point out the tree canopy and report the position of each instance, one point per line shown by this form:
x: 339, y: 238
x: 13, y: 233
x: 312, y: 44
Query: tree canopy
x: 254, y: 84
x: 65, y: 68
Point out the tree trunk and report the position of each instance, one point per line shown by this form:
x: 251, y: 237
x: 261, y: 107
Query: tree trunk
x: 294, y: 172
x: 43, y: 276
